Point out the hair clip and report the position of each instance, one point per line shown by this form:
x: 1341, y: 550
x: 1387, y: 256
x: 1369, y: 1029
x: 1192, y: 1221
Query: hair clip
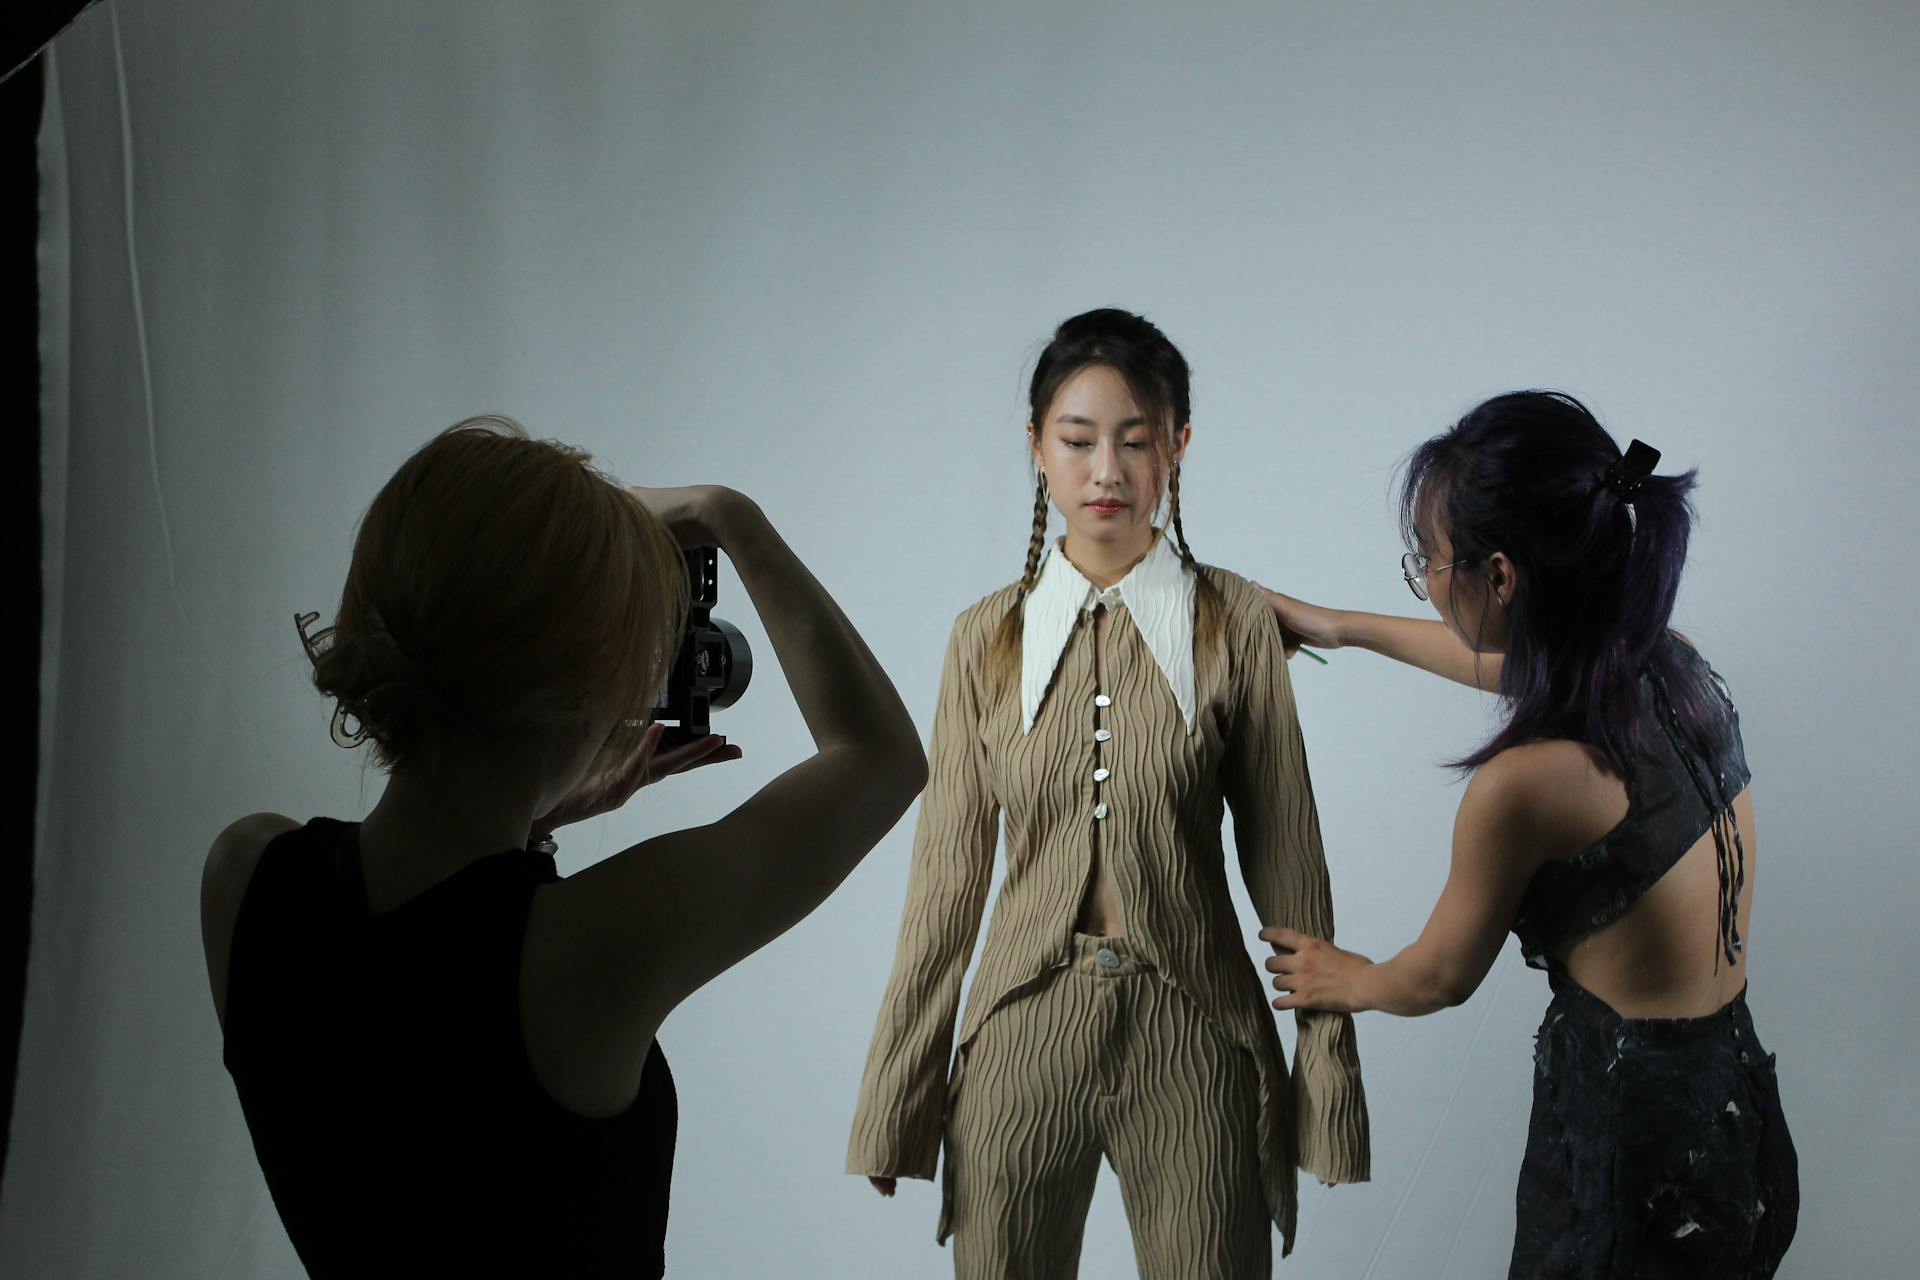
x: 316, y: 646
x: 317, y: 643
x: 1630, y: 471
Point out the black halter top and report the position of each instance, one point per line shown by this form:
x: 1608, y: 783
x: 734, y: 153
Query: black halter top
x: 1676, y: 793
x: 380, y: 1064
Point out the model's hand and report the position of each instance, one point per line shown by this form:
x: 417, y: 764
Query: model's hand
x: 608, y: 789
x: 1312, y: 973
x: 696, y: 514
x: 1303, y: 623
x: 885, y: 1186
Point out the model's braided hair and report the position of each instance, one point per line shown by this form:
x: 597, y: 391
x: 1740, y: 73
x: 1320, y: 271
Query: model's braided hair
x: 1173, y: 518
x: 1039, y: 539
x: 1210, y: 607
x: 1157, y: 376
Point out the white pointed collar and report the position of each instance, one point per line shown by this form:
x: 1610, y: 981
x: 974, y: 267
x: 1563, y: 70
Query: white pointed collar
x: 1158, y: 592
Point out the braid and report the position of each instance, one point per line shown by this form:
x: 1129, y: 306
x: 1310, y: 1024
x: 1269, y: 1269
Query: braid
x: 1039, y: 538
x: 1173, y: 513
x: 1210, y: 606
x: 1003, y: 656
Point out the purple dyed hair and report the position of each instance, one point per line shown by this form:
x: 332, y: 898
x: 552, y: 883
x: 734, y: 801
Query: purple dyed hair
x: 1524, y: 473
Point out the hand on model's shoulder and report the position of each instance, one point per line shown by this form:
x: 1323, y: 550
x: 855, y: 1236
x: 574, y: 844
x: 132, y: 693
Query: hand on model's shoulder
x: 1245, y: 603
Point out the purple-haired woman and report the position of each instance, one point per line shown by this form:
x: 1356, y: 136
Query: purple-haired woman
x: 1608, y: 824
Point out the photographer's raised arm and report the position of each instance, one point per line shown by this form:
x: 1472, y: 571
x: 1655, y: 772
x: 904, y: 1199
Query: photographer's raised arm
x: 1419, y: 642
x: 666, y: 916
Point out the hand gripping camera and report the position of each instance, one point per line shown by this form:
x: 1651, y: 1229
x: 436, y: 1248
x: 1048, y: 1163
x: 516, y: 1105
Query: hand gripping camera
x: 714, y: 665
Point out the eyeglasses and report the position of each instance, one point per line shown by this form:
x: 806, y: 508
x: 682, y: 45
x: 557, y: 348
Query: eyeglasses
x: 1414, y: 568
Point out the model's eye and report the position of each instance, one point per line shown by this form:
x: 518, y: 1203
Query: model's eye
x: 1078, y: 444
x: 1138, y: 444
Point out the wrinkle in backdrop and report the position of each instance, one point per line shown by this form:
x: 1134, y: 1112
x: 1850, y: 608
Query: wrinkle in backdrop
x: 810, y: 251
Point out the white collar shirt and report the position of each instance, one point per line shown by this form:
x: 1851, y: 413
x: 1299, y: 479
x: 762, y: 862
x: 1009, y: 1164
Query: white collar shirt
x: 1158, y: 592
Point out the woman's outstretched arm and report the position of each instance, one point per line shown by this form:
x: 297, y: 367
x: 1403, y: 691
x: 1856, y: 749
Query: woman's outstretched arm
x: 1496, y: 843
x: 1419, y: 642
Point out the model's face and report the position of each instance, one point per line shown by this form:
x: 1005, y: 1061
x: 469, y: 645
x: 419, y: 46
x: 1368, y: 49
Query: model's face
x: 1470, y: 599
x: 1097, y: 451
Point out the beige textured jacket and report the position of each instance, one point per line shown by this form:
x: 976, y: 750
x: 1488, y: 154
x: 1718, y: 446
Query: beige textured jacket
x: 1161, y: 839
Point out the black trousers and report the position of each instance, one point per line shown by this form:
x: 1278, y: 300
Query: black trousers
x: 1657, y: 1148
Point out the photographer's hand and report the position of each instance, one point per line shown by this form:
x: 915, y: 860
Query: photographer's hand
x: 610, y: 788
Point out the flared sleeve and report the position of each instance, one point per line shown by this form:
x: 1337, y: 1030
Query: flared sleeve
x: 901, y: 1110
x: 1277, y: 833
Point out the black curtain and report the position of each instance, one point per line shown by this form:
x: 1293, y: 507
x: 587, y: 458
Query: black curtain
x: 26, y: 27
x: 20, y: 106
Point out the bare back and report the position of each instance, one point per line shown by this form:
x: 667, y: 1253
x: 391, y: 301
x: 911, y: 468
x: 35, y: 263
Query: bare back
x: 1658, y: 959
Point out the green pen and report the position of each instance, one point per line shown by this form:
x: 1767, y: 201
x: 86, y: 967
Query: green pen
x: 1316, y: 657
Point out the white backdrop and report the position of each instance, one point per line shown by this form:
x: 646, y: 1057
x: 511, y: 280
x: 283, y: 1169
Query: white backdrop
x: 810, y: 250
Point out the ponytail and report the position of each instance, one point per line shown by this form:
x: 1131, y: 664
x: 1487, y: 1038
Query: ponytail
x: 1600, y: 543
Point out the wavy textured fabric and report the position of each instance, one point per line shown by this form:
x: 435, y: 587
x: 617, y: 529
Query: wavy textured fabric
x: 1105, y: 1058
x: 1110, y: 747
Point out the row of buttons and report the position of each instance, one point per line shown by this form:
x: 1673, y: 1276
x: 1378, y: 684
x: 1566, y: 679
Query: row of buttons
x: 1101, y: 774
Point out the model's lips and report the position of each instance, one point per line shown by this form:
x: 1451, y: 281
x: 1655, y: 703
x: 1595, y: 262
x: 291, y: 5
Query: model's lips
x: 1107, y: 507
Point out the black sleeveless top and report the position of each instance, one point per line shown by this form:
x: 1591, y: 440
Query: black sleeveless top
x: 1675, y: 794
x: 380, y: 1064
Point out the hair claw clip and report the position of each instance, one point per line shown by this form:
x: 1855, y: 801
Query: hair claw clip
x: 316, y: 646
x: 1625, y: 476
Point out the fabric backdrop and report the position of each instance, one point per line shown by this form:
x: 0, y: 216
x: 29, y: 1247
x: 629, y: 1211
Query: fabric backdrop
x: 810, y: 251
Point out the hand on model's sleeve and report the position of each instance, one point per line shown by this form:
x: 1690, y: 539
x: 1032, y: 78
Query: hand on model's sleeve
x: 1312, y: 973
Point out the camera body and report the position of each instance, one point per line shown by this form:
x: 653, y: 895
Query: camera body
x: 714, y: 665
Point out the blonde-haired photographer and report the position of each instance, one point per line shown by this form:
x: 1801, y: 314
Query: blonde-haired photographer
x: 445, y: 1051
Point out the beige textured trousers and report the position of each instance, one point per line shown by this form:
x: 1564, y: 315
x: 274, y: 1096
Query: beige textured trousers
x: 1105, y: 1058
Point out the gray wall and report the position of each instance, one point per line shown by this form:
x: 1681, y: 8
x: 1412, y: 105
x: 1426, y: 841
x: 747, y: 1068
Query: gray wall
x: 809, y: 250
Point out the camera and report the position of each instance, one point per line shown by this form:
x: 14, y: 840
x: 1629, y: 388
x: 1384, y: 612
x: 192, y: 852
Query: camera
x: 714, y: 664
